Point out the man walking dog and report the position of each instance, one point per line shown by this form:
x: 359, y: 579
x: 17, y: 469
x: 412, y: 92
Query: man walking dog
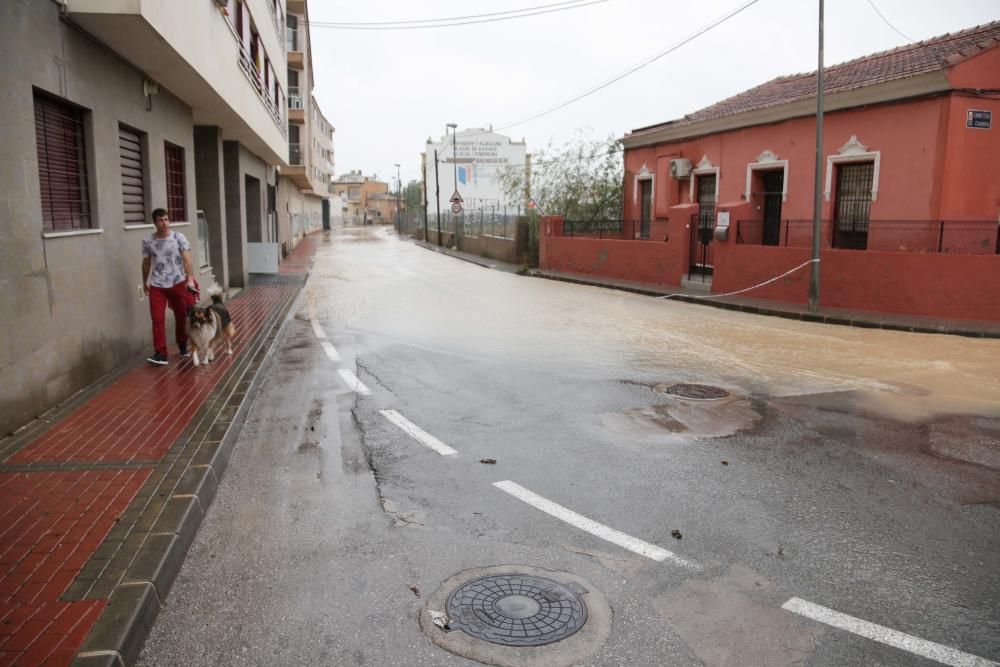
x: 168, y: 278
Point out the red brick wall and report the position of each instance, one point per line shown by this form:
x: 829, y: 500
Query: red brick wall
x: 950, y: 286
x: 655, y: 262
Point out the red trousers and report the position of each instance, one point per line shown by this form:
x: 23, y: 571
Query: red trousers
x: 180, y: 299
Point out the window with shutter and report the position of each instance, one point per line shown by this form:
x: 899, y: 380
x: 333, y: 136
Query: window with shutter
x: 133, y: 176
x: 176, y: 199
x: 62, y: 164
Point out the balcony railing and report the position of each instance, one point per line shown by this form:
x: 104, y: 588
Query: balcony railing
x: 294, y: 98
x: 249, y: 68
x: 272, y: 7
x: 957, y: 237
x: 295, y: 154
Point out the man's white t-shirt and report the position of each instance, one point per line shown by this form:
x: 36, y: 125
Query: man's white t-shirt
x: 167, y: 263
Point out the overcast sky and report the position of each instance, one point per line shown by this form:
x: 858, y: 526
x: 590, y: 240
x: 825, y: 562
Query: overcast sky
x: 387, y: 91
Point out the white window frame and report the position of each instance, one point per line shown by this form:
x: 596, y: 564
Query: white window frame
x: 704, y: 168
x: 852, y: 151
x: 768, y: 161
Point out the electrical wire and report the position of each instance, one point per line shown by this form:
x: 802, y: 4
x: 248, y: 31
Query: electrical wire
x: 898, y: 32
x: 450, y: 18
x: 525, y: 14
x: 635, y: 68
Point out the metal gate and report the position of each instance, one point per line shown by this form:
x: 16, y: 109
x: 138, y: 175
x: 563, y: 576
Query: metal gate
x: 702, y: 226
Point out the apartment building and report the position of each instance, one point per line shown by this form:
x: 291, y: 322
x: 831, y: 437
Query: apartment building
x: 354, y: 191
x: 304, y: 186
x: 384, y: 207
x: 112, y: 109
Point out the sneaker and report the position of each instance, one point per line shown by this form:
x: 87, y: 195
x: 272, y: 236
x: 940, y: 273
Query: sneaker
x: 184, y: 350
x: 158, y: 359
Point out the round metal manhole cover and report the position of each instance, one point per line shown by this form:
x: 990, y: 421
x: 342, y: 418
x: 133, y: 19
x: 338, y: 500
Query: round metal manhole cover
x: 517, y: 609
x: 697, y: 392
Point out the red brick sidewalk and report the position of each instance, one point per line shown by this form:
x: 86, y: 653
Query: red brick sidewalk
x: 62, y: 492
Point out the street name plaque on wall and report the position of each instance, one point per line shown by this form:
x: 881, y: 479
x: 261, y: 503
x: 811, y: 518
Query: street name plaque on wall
x: 978, y: 119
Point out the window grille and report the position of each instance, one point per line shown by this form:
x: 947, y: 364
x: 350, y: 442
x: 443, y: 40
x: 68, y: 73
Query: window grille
x: 176, y: 199
x: 854, y: 204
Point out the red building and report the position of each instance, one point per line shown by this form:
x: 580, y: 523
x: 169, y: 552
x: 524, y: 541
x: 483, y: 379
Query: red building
x: 911, y: 188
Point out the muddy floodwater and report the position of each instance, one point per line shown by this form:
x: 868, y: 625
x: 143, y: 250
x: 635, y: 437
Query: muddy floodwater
x: 490, y: 314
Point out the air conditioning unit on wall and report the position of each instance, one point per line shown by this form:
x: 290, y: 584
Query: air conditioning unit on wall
x: 680, y: 168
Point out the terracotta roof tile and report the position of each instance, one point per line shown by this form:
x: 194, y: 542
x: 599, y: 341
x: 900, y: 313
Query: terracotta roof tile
x: 929, y: 55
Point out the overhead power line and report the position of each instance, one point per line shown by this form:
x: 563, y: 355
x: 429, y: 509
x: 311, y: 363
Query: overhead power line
x: 638, y: 66
x: 451, y: 18
x: 881, y: 16
x: 425, y: 24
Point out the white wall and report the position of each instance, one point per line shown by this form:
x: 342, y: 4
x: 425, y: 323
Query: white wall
x: 488, y: 153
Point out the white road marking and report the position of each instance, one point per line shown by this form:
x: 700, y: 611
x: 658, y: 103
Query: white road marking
x: 330, y: 350
x: 317, y: 329
x: 927, y: 649
x: 353, y: 382
x: 417, y: 433
x: 592, y: 527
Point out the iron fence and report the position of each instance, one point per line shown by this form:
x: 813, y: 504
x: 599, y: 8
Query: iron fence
x: 637, y: 230
x: 957, y: 237
x: 782, y: 233
x: 478, y: 222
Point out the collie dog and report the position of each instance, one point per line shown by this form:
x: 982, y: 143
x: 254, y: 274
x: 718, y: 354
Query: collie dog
x: 209, y: 327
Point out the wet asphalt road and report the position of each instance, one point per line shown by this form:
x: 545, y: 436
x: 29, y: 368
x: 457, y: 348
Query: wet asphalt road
x: 862, y: 474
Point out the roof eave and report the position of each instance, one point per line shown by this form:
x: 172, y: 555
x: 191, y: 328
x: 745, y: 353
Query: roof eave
x: 914, y: 86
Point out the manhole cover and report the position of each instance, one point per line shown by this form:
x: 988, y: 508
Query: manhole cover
x: 698, y: 392
x: 517, y: 609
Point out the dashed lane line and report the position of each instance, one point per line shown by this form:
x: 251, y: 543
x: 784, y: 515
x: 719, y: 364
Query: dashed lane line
x: 927, y: 649
x: 417, y: 433
x: 317, y: 329
x: 331, y: 351
x: 353, y: 382
x: 599, y: 530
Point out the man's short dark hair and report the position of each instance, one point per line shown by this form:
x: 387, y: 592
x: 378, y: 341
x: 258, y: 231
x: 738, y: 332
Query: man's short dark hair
x: 158, y: 213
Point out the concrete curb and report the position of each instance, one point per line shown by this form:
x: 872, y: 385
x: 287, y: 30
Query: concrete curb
x: 118, y: 635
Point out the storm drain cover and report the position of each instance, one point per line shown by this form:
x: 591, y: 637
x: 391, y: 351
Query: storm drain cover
x: 699, y: 392
x: 517, y: 609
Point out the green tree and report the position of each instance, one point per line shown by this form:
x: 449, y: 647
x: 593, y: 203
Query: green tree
x: 581, y: 180
x: 413, y: 195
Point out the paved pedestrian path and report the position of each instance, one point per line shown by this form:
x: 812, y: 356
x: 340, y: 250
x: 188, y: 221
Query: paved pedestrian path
x: 100, y: 498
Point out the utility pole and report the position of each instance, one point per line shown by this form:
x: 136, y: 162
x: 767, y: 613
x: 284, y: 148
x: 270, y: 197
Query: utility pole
x: 424, y: 174
x: 399, y: 217
x: 454, y: 164
x: 817, y: 183
x: 437, y: 193
x: 454, y: 151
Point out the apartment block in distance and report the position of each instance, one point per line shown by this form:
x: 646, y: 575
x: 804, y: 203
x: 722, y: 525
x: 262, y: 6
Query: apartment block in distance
x: 304, y: 188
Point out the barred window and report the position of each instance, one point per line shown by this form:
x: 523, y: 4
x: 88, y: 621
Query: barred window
x: 62, y: 164
x: 176, y: 199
